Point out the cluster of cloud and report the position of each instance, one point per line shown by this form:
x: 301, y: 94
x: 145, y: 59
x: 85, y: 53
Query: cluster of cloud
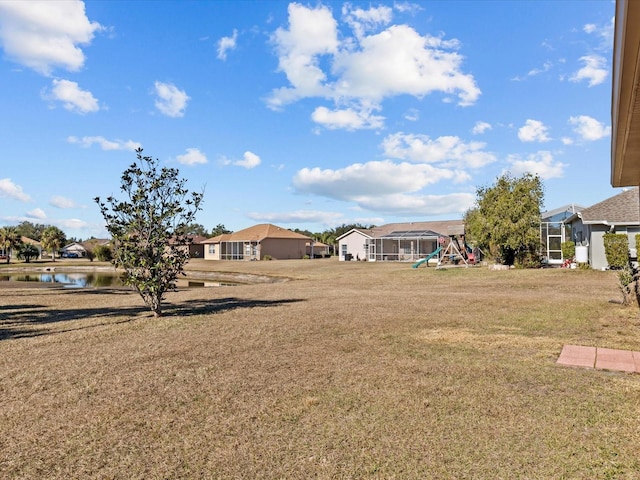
x: 377, y: 61
x: 249, y: 160
x: 43, y: 35
x: 587, y: 128
x: 397, y: 185
x: 105, y: 144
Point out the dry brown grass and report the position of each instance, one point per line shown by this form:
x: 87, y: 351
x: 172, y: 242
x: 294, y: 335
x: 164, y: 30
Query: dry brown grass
x: 351, y: 370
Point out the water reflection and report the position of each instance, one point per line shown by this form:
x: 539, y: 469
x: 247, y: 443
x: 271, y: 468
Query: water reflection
x: 97, y: 279
x: 71, y: 280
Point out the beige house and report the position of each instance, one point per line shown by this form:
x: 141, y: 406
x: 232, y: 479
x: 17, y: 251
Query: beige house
x: 256, y: 243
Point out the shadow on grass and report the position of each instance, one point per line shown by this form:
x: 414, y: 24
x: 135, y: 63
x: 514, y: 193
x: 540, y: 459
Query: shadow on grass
x: 21, y: 321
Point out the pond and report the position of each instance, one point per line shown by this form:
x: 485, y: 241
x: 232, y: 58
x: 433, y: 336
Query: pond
x: 96, y: 279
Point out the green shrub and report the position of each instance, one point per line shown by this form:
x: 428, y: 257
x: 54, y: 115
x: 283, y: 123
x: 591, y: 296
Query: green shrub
x: 103, y: 253
x: 267, y: 257
x: 568, y: 250
x: 616, y: 248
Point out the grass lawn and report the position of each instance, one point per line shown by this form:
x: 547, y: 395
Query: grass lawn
x: 346, y: 370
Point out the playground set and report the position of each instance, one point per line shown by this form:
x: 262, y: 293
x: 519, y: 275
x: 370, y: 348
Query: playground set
x: 454, y: 252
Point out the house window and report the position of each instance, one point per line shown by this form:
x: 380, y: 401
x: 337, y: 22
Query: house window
x: 212, y: 249
x: 343, y: 250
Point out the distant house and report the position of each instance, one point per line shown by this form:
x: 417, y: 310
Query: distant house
x: 80, y: 249
x: 554, y: 231
x: 10, y: 253
x: 73, y: 250
x: 617, y: 214
x: 255, y: 243
x: 408, y: 241
x: 317, y: 249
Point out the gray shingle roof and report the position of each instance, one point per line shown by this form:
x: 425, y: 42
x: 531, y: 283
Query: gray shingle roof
x: 623, y: 208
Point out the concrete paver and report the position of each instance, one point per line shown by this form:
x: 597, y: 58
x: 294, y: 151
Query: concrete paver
x: 577, y: 356
x: 600, y: 358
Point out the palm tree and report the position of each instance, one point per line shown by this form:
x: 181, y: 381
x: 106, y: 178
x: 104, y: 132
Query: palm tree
x: 9, y: 239
x: 52, y: 239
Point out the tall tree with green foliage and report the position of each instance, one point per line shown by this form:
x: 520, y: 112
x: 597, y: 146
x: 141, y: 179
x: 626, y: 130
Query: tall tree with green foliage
x: 9, y: 240
x: 30, y: 230
x: 506, y: 219
x: 150, y: 228
x: 220, y: 229
x: 53, y: 239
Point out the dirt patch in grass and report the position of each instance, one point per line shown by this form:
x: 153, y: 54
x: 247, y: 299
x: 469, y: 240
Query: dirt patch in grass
x: 346, y: 370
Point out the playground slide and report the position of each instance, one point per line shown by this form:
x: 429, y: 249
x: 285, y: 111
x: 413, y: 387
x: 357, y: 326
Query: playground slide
x: 427, y: 258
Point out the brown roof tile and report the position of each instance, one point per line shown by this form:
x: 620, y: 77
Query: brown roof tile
x: 623, y: 208
x: 257, y: 233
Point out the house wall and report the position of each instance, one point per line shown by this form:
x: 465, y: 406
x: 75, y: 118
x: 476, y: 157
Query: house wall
x: 283, y: 248
x: 352, y: 244
x: 211, y: 251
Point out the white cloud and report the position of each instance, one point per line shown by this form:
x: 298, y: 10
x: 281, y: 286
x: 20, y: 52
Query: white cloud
x: 595, y: 70
x: 603, y: 32
x: 413, y: 115
x: 540, y: 163
x: 589, y: 128
x: 481, y: 127
x: 358, y: 73
x: 362, y: 21
x: 171, y: 101
x: 369, y: 179
x: 71, y: 223
x: 537, y: 71
x: 533, y: 131
x: 227, y: 43
x: 61, y: 202
x: 73, y: 98
x: 8, y: 189
x: 348, y: 119
x: 193, y: 156
x: 42, y: 35
x: 449, y: 151
x: 420, y: 205
x: 298, y: 217
x: 105, y: 144
x: 37, y: 213
x: 385, y: 187
x: 400, y: 61
x: 249, y: 160
x: 567, y: 141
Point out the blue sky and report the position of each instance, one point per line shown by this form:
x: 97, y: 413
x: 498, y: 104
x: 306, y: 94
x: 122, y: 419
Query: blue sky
x: 306, y: 115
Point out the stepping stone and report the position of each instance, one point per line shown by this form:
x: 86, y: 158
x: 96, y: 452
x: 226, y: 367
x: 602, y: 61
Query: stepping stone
x: 621, y: 360
x: 577, y: 356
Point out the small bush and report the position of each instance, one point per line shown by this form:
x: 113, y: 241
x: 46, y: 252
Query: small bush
x: 568, y: 250
x: 616, y: 247
x: 267, y: 257
x: 103, y: 253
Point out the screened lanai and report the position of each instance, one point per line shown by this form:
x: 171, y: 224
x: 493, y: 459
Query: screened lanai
x: 402, y: 245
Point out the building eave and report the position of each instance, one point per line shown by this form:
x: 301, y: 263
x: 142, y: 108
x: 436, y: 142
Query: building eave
x: 625, y: 102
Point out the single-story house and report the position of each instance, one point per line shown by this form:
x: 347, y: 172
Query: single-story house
x: 256, y: 243
x: 74, y: 249
x: 554, y: 231
x: 11, y: 254
x: 317, y: 249
x: 196, y: 247
x: 617, y: 214
x: 80, y: 249
x: 408, y: 241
